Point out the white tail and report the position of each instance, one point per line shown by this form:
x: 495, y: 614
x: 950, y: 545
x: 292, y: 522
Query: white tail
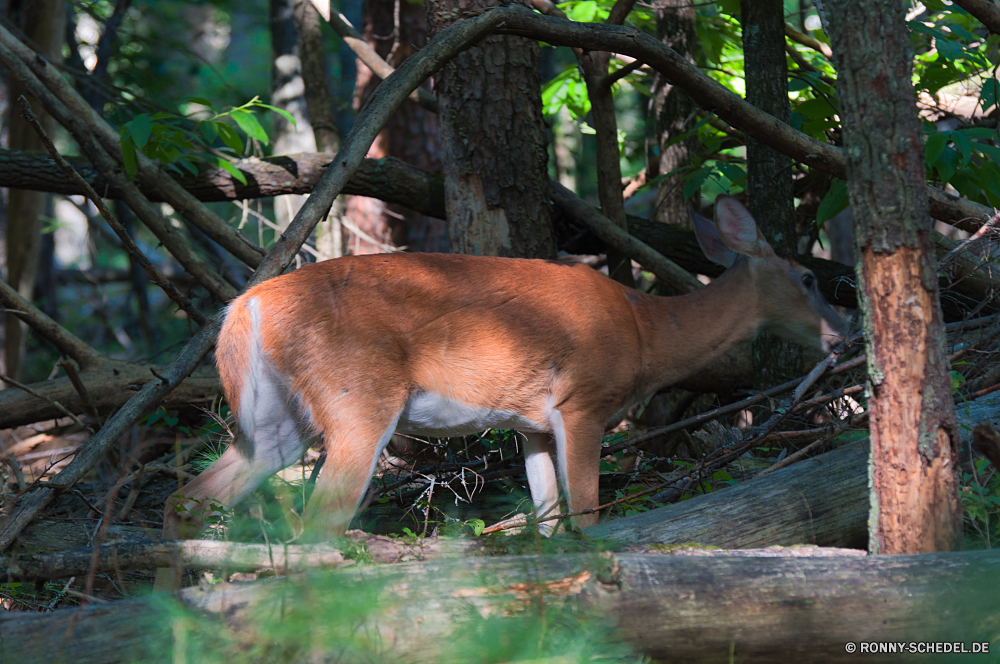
x: 443, y: 345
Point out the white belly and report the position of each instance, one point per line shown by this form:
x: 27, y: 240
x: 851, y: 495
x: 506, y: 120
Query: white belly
x: 430, y: 414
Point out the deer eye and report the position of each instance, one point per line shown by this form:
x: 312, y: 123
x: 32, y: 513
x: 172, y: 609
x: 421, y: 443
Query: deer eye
x: 808, y: 280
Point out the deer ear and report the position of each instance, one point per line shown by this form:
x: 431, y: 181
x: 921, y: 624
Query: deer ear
x: 738, y: 230
x: 709, y: 241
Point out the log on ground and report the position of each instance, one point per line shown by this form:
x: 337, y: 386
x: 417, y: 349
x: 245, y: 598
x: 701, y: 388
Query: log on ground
x: 822, y: 501
x: 674, y: 608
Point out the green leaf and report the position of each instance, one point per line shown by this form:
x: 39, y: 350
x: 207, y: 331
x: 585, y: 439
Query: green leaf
x: 280, y: 111
x: 983, y: 133
x: 129, y: 159
x: 250, y: 126
x: 199, y: 100
x: 936, y: 143
x: 230, y: 137
x: 989, y: 94
x: 232, y: 170
x: 734, y: 173
x: 695, y: 181
x: 963, y: 144
x: 139, y: 129
x: 209, y: 131
x: 957, y: 380
x: 834, y: 202
x: 477, y: 525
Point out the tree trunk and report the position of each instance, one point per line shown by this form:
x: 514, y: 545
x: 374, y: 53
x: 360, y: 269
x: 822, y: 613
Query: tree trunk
x: 914, y: 499
x: 670, y: 109
x: 668, y: 607
x: 396, y: 29
x: 42, y: 21
x: 288, y: 93
x: 493, y: 143
x: 769, y: 172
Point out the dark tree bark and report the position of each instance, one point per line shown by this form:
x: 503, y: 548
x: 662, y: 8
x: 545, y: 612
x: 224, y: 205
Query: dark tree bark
x: 42, y: 21
x: 669, y: 111
x: 769, y: 172
x: 493, y: 143
x: 915, y: 506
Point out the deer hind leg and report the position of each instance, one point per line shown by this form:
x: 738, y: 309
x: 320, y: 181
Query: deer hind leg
x: 354, y: 442
x: 539, y: 452
x: 578, y: 448
x: 270, y: 439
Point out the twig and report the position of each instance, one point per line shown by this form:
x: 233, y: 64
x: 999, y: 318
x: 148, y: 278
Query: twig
x: 857, y: 420
x: 698, y: 420
x: 15, y: 469
x: 25, y: 388
x: 80, y: 388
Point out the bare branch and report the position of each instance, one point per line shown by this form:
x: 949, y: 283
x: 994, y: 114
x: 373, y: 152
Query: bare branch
x: 146, y: 211
x: 48, y: 329
x: 630, y: 246
x: 150, y: 175
x: 127, y: 242
x: 62, y: 408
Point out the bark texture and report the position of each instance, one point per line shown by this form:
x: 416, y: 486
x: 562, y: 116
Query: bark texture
x: 670, y: 108
x: 769, y: 172
x: 42, y: 22
x: 915, y: 506
x: 493, y: 143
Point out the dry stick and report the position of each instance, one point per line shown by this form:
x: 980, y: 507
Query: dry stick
x: 25, y: 388
x: 127, y: 242
x: 150, y: 175
x: 857, y: 420
x: 81, y: 389
x: 382, y: 104
x: 606, y: 230
x: 146, y: 211
x: 698, y: 420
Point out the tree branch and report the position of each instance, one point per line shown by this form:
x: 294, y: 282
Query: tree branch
x: 147, y: 212
x: 367, y: 54
x: 150, y: 175
x: 986, y: 11
x: 67, y: 342
x: 712, y: 96
x: 127, y: 242
x: 628, y: 245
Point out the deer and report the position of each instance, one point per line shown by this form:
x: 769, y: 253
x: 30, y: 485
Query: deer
x: 357, y: 348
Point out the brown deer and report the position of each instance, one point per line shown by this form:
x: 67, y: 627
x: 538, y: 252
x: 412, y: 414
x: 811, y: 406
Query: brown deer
x: 357, y: 348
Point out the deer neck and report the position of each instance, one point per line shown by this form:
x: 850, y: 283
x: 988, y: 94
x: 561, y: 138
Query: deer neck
x: 686, y: 332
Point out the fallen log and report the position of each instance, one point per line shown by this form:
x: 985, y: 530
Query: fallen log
x: 676, y: 608
x: 110, y: 384
x: 233, y: 556
x: 822, y: 501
